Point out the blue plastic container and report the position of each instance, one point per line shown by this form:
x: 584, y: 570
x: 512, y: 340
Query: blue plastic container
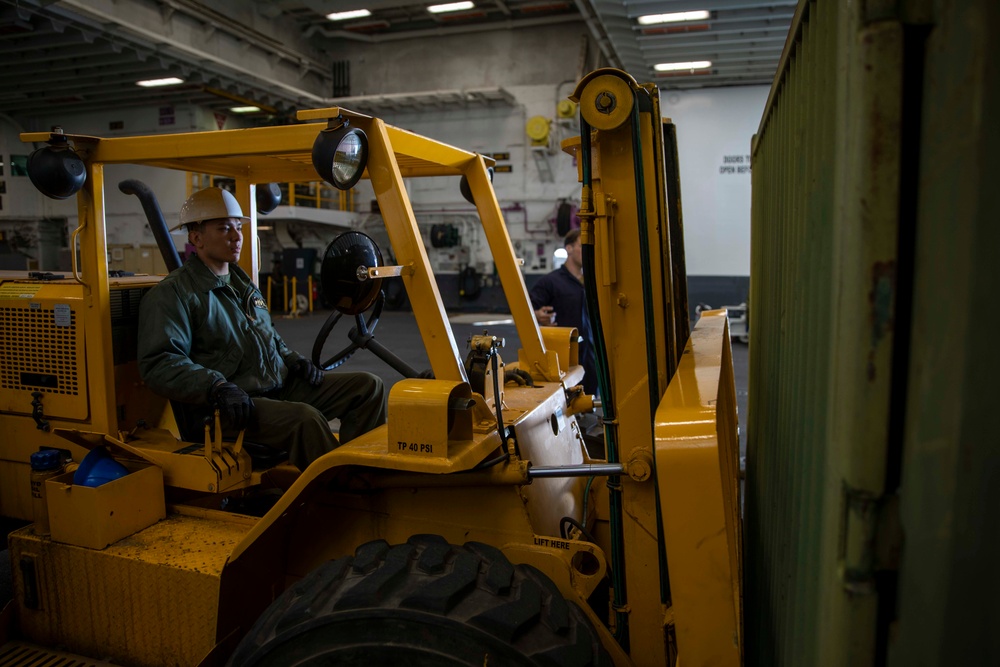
x: 98, y: 468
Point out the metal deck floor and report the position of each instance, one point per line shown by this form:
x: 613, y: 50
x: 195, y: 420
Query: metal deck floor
x: 398, y: 331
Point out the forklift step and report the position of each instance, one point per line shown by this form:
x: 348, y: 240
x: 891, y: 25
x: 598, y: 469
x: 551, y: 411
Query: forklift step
x: 23, y: 654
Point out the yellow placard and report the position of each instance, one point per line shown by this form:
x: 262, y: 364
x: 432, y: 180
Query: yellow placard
x: 18, y: 290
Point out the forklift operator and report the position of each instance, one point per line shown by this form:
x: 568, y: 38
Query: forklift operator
x: 206, y: 341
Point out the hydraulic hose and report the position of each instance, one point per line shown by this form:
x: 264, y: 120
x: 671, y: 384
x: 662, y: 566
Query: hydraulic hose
x: 652, y: 367
x: 154, y: 216
x: 620, y: 598
x: 501, y: 431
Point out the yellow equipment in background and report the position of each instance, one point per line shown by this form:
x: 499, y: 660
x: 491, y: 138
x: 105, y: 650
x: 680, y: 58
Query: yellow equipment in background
x: 473, y: 524
x: 537, y: 128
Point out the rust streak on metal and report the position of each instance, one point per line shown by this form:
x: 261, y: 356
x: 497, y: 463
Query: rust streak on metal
x: 881, y: 300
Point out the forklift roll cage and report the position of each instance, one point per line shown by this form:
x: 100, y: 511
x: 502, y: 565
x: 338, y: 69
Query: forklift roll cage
x: 676, y: 497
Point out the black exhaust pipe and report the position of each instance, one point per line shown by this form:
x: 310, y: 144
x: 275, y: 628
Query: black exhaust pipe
x: 154, y: 216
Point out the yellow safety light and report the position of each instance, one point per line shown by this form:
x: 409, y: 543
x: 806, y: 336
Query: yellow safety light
x: 340, y: 154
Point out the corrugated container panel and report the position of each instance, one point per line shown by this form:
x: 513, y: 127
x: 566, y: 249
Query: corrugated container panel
x: 947, y: 611
x: 872, y: 470
x: 825, y: 193
x: 790, y: 317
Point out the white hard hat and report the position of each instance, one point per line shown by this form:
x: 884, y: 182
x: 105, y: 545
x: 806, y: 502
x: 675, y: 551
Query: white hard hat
x: 209, y: 204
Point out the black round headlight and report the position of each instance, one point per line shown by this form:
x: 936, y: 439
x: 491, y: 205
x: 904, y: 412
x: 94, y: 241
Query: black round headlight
x: 57, y: 171
x: 340, y: 155
x: 268, y: 197
x: 466, y: 191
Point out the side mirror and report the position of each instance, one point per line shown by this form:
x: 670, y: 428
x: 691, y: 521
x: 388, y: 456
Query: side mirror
x: 344, y: 273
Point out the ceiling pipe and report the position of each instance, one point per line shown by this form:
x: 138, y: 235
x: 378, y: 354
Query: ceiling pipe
x: 597, y: 31
x: 266, y: 42
x: 78, y: 9
x: 636, y: 8
x: 439, y: 32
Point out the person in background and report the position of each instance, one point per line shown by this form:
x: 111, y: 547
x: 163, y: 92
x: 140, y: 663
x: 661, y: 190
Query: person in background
x: 206, y: 341
x: 558, y: 300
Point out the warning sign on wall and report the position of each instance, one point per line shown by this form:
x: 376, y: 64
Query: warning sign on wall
x: 735, y: 164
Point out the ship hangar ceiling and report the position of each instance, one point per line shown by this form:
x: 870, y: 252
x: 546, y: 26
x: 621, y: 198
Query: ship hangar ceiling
x: 77, y: 56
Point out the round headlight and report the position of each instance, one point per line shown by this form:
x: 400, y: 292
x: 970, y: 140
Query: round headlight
x: 340, y: 156
x: 56, y: 171
x: 268, y: 197
x: 466, y: 190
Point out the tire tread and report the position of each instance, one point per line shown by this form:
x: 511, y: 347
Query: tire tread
x: 473, y: 586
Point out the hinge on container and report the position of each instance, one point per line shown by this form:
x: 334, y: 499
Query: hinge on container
x: 870, y: 538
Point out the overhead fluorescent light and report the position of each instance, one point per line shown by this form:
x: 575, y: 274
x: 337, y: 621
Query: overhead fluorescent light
x: 152, y: 83
x: 651, y: 19
x: 247, y: 109
x: 677, y: 67
x: 450, y: 7
x: 352, y: 14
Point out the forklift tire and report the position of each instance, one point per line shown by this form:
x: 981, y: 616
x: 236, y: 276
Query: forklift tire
x: 419, y: 604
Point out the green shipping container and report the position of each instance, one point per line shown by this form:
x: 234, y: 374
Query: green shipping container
x: 873, y: 467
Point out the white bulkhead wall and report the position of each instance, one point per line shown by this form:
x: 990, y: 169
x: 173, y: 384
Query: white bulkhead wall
x: 714, y: 130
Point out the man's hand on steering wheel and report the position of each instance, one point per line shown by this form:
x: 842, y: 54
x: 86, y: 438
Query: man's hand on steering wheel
x: 308, y: 371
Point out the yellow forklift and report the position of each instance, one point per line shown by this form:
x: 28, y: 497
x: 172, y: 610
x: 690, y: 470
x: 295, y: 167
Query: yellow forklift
x: 474, y: 527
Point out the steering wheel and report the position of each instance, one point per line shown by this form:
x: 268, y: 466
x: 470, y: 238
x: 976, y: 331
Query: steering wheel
x: 360, y: 335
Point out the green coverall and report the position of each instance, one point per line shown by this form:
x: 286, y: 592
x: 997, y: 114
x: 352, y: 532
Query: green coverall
x: 197, y: 329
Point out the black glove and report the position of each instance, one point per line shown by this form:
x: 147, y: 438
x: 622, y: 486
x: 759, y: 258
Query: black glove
x: 308, y: 371
x: 234, y: 404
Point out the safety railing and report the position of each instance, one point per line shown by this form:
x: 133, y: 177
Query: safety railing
x: 288, y: 288
x: 316, y: 195
x: 310, y: 194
